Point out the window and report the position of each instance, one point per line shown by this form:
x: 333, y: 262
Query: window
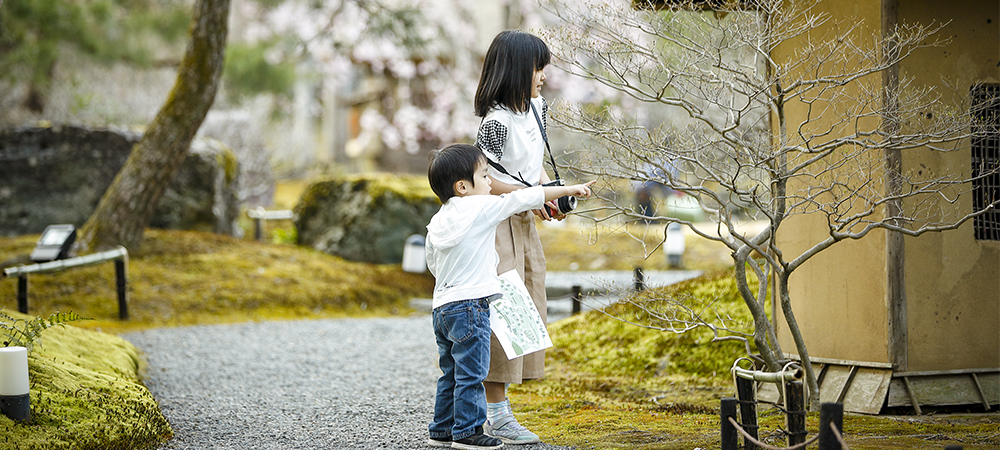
x: 986, y: 159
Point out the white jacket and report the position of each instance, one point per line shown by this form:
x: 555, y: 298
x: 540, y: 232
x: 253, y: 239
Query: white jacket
x: 461, y: 243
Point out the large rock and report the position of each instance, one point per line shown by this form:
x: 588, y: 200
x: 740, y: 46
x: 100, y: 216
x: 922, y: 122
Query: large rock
x: 52, y: 175
x: 365, y: 218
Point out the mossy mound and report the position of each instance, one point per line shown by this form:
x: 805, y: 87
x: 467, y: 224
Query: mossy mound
x: 85, y: 394
x: 610, y: 384
x: 365, y: 218
x: 185, y: 277
x: 613, y: 358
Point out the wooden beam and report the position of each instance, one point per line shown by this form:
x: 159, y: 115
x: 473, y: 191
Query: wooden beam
x: 841, y: 362
x: 894, y: 246
x: 913, y: 396
x: 697, y: 5
x: 979, y: 390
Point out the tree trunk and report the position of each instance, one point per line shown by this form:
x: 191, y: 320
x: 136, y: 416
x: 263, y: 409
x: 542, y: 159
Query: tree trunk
x: 800, y: 342
x: 129, y: 203
x: 762, y: 326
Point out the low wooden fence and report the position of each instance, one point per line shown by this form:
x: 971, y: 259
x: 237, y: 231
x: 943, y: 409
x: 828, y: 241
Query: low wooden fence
x: 738, y: 415
x: 118, y: 255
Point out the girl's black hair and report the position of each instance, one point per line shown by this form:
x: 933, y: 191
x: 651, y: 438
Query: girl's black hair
x: 451, y: 164
x: 510, y: 64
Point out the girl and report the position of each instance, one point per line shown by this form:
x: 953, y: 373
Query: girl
x: 512, y: 136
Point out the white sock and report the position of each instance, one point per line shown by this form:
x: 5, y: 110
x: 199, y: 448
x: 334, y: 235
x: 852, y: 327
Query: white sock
x: 496, y: 411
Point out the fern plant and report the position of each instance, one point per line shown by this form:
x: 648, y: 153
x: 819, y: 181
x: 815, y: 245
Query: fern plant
x: 26, y: 332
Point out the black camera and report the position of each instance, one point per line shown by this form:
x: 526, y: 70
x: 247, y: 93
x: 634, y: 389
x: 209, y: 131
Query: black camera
x: 565, y: 203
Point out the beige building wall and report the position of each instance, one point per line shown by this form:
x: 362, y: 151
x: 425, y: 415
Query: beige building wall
x: 952, y: 282
x: 838, y: 296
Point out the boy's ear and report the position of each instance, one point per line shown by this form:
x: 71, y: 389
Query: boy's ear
x: 461, y: 187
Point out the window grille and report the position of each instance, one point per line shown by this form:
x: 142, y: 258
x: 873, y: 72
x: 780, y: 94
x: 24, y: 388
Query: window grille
x: 986, y: 159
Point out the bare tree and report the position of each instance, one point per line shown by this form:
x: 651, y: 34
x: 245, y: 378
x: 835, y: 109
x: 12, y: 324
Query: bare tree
x: 738, y: 148
x: 129, y: 203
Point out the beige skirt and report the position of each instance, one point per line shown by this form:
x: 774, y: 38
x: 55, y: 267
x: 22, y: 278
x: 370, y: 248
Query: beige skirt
x: 520, y: 248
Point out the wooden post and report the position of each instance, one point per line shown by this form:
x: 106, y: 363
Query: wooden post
x: 577, y: 296
x: 895, y: 256
x: 640, y: 279
x: 830, y: 415
x: 729, y: 434
x: 748, y: 410
x: 795, y: 412
x: 22, y: 293
x: 121, y: 280
x: 258, y: 229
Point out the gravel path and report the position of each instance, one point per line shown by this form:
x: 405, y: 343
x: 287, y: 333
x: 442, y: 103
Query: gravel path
x: 313, y: 384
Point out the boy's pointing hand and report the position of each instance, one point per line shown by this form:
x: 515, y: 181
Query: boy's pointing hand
x: 582, y: 190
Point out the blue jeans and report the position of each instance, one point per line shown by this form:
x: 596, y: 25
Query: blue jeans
x: 462, y: 331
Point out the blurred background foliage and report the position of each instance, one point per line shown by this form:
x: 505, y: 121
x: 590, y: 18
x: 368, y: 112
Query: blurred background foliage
x: 34, y: 33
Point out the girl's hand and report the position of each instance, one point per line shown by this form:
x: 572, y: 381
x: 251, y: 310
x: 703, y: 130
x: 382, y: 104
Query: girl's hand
x: 549, y: 212
x: 543, y: 213
x: 553, y: 211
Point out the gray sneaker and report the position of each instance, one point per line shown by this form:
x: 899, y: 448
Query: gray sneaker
x: 509, y: 431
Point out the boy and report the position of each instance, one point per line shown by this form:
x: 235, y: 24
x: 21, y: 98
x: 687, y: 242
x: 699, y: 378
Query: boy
x: 461, y: 254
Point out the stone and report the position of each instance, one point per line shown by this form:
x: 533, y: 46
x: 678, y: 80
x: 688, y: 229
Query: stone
x: 56, y: 175
x: 365, y: 218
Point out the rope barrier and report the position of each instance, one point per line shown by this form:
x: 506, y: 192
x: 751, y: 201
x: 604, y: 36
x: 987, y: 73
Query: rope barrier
x: 770, y: 447
x: 796, y: 433
x: 787, y: 378
x: 791, y: 372
x: 748, y: 437
x: 840, y: 438
x: 772, y: 377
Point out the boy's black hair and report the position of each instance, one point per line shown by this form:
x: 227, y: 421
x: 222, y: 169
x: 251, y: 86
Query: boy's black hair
x: 510, y: 64
x: 451, y: 164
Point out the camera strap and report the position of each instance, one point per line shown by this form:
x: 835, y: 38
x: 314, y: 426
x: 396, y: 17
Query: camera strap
x: 500, y: 169
x: 545, y: 138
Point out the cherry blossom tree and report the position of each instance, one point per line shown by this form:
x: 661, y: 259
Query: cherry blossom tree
x: 404, y: 64
x: 409, y: 68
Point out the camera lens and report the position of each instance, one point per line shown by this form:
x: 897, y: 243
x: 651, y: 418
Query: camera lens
x: 566, y: 203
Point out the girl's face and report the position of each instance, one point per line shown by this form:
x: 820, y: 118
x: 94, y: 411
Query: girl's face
x: 537, y: 81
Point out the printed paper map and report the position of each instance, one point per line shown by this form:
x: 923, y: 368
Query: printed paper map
x: 515, y: 321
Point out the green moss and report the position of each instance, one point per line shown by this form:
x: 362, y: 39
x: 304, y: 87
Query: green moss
x: 609, y: 342
x: 183, y: 277
x: 86, y: 394
x: 608, y: 385
x: 408, y: 187
x: 230, y: 164
x: 85, y: 387
x: 611, y: 385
